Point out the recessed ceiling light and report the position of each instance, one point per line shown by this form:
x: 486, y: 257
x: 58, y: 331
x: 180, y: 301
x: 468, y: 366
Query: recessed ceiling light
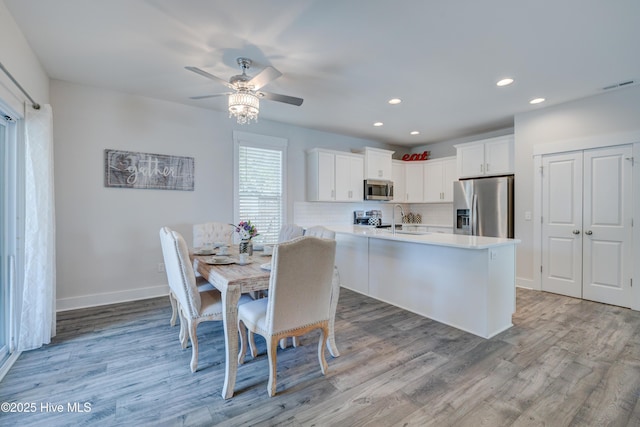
x: 378, y: 124
x: 415, y: 132
x: 394, y: 101
x: 536, y: 101
x: 505, y: 82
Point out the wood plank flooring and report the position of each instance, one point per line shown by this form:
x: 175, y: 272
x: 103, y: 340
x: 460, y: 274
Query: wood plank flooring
x: 566, y: 362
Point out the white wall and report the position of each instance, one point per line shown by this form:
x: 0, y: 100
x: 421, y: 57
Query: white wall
x: 107, y: 238
x: 19, y: 59
x: 606, y: 115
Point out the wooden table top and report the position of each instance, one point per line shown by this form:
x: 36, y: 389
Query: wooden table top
x: 249, y: 277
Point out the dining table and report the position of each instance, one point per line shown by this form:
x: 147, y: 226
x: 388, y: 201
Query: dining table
x: 233, y: 279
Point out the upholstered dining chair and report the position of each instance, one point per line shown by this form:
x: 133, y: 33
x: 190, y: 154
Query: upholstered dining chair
x: 298, y: 302
x: 320, y: 231
x: 194, y: 306
x: 323, y: 233
x: 212, y: 232
x: 289, y: 232
x: 204, y: 234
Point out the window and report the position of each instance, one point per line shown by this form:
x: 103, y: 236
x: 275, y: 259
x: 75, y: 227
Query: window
x: 260, y: 183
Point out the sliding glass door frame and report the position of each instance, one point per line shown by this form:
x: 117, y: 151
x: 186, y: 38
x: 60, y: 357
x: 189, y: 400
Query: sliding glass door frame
x: 11, y: 226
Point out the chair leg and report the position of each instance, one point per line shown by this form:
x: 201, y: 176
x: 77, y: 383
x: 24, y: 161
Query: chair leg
x: 283, y: 343
x: 242, y: 330
x: 184, y: 334
x: 193, y: 336
x: 331, y: 345
x: 272, y: 347
x: 174, y: 308
x: 252, y: 345
x: 323, y: 341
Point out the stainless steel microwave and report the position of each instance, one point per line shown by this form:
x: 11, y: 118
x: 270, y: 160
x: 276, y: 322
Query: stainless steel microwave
x: 377, y: 189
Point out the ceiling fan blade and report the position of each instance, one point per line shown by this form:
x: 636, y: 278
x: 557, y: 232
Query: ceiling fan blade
x: 264, y: 77
x: 210, y: 76
x: 209, y: 96
x: 281, y: 98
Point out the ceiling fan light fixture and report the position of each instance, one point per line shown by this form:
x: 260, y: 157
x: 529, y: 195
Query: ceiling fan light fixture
x: 244, y: 106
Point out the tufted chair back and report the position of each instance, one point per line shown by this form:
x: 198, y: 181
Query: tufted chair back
x: 320, y: 231
x: 211, y: 232
x: 289, y: 232
x: 300, y: 283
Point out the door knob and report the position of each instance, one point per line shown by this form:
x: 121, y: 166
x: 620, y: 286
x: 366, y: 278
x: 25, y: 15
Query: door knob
x: 576, y: 231
x: 588, y: 232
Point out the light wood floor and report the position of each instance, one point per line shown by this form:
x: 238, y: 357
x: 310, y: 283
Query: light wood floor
x: 566, y: 362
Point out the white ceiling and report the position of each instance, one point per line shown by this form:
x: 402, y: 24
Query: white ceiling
x: 346, y: 58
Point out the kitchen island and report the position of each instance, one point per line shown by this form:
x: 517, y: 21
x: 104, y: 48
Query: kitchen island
x: 467, y: 282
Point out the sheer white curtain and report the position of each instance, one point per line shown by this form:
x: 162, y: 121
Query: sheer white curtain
x: 37, y: 316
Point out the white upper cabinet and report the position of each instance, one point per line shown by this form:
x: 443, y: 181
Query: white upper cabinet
x: 334, y: 176
x: 377, y: 163
x: 414, y: 182
x: 349, y: 180
x: 485, y: 158
x: 398, y: 178
x: 439, y: 175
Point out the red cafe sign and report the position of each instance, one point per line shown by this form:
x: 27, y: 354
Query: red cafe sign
x: 416, y: 156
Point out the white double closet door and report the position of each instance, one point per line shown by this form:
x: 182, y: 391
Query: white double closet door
x: 587, y: 224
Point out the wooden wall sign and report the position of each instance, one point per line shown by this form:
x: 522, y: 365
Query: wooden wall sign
x: 416, y: 156
x: 130, y: 169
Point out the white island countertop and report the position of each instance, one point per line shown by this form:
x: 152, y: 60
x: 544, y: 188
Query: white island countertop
x: 436, y: 239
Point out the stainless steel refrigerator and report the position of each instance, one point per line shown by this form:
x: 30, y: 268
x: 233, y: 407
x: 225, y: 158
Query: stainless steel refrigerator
x: 483, y: 207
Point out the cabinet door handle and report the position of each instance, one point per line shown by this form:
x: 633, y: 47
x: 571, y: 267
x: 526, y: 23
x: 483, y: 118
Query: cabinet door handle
x: 487, y: 167
x: 576, y: 231
x: 481, y: 167
x: 588, y: 232
x: 333, y: 193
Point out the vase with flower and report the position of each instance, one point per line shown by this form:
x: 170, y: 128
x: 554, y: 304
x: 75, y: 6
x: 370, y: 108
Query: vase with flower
x: 246, y: 231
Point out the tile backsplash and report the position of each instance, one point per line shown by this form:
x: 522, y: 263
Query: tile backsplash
x: 308, y: 214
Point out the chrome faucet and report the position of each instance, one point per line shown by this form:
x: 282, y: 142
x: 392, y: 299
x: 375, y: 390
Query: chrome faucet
x: 393, y: 216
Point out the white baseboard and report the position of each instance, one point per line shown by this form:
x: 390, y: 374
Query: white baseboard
x: 9, y: 363
x: 84, y: 301
x: 521, y: 282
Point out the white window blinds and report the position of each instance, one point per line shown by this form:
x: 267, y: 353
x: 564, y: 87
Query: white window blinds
x: 260, y: 187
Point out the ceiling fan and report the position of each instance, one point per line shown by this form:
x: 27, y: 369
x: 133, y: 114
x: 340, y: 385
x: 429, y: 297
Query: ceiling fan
x: 244, y: 100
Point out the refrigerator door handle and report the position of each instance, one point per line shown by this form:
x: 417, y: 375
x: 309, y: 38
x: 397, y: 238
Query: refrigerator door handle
x: 474, y: 215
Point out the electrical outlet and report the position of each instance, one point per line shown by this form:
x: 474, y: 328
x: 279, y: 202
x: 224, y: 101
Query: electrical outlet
x: 527, y: 216
x: 161, y: 267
